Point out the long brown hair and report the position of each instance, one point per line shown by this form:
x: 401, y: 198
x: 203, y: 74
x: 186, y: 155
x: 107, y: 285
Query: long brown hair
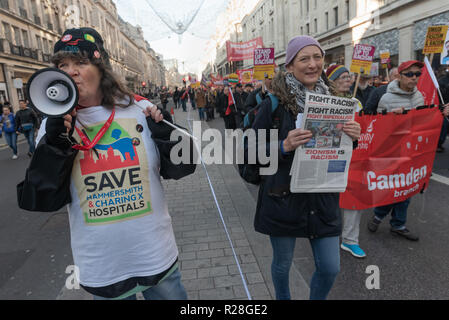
x: 111, y: 87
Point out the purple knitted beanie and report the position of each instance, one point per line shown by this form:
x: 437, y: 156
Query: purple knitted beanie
x: 297, y: 44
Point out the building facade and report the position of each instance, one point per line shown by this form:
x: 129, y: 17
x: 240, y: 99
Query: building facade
x: 395, y: 25
x: 30, y: 28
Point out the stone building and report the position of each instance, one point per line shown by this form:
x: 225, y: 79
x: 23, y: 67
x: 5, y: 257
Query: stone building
x: 395, y: 25
x: 30, y: 28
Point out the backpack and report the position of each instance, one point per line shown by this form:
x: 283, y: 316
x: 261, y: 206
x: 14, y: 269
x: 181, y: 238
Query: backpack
x: 250, y: 172
x: 249, y: 118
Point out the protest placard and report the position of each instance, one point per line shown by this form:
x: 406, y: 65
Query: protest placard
x: 362, y: 58
x: 385, y: 58
x: 435, y: 37
x: 445, y: 52
x: 263, y: 63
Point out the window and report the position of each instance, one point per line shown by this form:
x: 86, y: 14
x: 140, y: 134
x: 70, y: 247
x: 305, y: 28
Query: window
x: 7, y: 29
x: 308, y: 29
x: 4, y: 4
x: 38, y: 42
x: 327, y: 20
x: 45, y: 49
x: 307, y: 6
x: 336, y: 16
x: 315, y: 23
x: 17, y: 36
x: 34, y: 8
x: 26, y: 42
x: 348, y: 12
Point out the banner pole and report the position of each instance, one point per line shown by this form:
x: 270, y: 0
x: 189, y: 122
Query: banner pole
x: 357, y: 83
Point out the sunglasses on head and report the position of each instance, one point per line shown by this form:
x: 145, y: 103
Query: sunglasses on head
x: 411, y: 74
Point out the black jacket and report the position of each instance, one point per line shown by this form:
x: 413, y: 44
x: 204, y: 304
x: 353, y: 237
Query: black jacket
x: 374, y: 98
x: 26, y: 116
x: 444, y: 87
x: 363, y: 95
x: 251, y: 100
x: 284, y: 214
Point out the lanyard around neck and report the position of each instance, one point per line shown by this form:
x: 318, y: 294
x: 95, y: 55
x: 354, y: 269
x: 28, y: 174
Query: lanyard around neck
x: 90, y: 144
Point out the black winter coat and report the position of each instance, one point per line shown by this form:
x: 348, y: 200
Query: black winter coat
x: 281, y: 213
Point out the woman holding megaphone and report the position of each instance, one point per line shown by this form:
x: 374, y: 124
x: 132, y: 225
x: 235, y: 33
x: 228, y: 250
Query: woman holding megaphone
x: 104, y: 159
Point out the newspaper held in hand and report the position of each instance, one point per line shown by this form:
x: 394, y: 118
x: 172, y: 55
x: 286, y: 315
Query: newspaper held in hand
x: 322, y: 164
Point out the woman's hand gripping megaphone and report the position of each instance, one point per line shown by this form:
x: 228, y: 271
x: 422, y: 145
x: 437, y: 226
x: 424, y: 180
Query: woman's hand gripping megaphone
x: 60, y: 129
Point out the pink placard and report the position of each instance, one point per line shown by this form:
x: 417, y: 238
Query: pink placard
x: 263, y: 56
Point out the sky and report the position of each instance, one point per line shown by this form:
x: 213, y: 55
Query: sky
x: 191, y: 46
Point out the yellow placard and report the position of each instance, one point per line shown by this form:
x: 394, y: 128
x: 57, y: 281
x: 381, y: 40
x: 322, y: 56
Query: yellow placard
x: 357, y: 65
x: 195, y: 85
x: 435, y: 37
x: 246, y: 77
x: 261, y: 71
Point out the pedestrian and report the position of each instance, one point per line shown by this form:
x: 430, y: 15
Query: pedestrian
x: 375, y: 96
x: 220, y: 101
x: 401, y: 95
x: 340, y: 81
x: 200, y: 98
x: 27, y: 123
x: 192, y: 97
x: 364, y: 89
x: 285, y: 216
x: 8, y: 127
x: 259, y: 94
x: 248, y: 88
x: 164, y: 97
x: 176, y: 96
x: 210, y: 102
x: 121, y: 244
x: 229, y: 110
x: 184, y: 98
x: 240, y: 99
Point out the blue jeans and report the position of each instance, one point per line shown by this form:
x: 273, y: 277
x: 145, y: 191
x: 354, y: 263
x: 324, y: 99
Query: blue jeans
x: 192, y: 101
x: 184, y: 105
x: 11, y: 140
x: 327, y: 263
x: 398, y: 215
x: 201, y: 113
x: 171, y: 288
x: 29, y: 135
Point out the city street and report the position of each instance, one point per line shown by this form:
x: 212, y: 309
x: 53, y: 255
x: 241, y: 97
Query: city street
x: 35, y: 247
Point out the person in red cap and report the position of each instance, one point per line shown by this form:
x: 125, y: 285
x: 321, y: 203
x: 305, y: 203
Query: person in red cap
x: 401, y: 95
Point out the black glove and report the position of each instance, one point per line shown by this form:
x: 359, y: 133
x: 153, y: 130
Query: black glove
x: 56, y: 132
x: 160, y: 130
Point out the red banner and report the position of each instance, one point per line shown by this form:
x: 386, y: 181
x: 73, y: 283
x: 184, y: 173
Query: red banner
x: 239, y: 51
x: 394, y: 159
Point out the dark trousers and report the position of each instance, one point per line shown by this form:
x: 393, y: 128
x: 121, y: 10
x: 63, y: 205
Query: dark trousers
x: 443, y: 134
x: 230, y: 121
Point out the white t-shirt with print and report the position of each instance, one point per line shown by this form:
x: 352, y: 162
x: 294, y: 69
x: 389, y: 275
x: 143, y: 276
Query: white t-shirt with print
x: 119, y: 221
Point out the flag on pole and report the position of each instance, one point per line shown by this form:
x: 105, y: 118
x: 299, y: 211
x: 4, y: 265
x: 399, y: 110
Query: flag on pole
x: 231, y: 102
x: 204, y: 80
x: 428, y: 85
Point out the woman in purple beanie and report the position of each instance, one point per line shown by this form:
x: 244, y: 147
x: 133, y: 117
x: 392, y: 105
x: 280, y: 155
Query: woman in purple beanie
x: 283, y: 215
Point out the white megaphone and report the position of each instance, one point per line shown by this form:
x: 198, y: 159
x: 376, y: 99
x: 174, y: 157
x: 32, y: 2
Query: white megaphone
x: 52, y: 92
